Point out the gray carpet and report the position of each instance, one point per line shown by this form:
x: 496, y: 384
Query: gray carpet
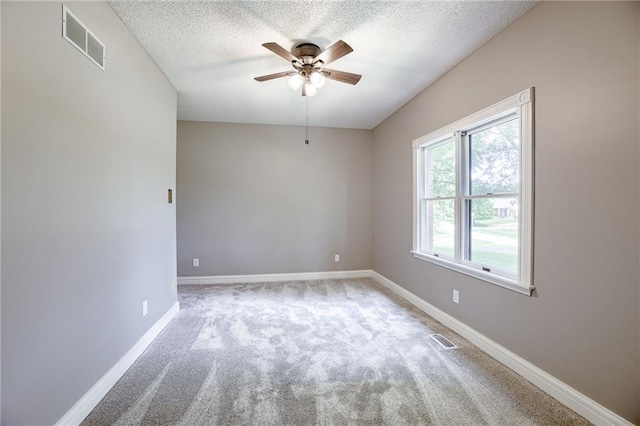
x: 328, y: 352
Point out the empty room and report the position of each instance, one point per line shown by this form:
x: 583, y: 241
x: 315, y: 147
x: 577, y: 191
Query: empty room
x: 320, y: 212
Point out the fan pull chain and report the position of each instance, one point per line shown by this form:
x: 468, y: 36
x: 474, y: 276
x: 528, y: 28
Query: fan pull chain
x: 306, y: 120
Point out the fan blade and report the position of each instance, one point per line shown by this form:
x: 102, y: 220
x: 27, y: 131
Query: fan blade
x: 276, y: 75
x: 280, y: 51
x: 334, y: 52
x: 344, y: 77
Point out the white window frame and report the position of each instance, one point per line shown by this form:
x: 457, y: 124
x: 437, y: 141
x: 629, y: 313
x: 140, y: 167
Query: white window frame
x: 519, y: 105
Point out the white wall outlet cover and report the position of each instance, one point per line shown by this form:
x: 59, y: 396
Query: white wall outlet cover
x: 144, y: 308
x: 196, y: 261
x: 456, y: 296
x: 337, y: 258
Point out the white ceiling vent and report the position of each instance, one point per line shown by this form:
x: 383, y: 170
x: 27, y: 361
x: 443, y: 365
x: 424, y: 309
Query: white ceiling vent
x: 76, y: 33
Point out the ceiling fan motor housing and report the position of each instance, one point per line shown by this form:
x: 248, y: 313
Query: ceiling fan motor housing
x: 306, y: 52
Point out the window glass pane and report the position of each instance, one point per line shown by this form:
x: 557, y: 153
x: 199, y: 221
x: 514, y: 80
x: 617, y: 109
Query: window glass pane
x: 440, y: 171
x: 494, y: 233
x: 438, y: 227
x: 495, y: 159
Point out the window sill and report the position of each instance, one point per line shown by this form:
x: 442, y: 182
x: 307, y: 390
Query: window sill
x: 472, y: 272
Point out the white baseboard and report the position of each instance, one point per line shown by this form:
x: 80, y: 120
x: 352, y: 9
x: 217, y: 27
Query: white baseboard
x: 89, y: 400
x: 258, y: 278
x: 578, y: 402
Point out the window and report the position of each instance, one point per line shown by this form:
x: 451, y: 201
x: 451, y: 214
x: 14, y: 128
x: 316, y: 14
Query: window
x: 473, y: 194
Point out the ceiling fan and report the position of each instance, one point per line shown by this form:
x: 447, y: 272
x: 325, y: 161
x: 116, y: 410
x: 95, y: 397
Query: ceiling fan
x: 308, y: 62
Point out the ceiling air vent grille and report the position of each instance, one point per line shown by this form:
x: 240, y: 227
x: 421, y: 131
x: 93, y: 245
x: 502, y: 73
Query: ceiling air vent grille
x: 76, y: 33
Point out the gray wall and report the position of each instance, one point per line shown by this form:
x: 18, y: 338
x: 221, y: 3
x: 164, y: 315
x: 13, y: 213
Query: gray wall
x: 0, y: 216
x: 87, y: 234
x: 254, y: 199
x: 581, y: 325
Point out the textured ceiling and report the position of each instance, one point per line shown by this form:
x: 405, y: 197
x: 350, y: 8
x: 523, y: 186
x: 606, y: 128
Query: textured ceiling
x: 212, y: 50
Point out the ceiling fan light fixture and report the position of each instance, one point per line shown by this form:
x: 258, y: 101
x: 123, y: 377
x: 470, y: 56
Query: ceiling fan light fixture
x: 296, y: 81
x: 311, y: 90
x: 317, y: 79
x: 308, y: 62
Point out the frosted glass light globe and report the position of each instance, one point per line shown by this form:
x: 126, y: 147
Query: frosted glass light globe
x: 317, y: 79
x: 295, y: 82
x: 311, y: 89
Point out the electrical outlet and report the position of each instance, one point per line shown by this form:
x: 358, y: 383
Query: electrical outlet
x: 456, y: 296
x: 173, y: 286
x: 337, y: 258
x: 144, y: 308
x: 196, y: 262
